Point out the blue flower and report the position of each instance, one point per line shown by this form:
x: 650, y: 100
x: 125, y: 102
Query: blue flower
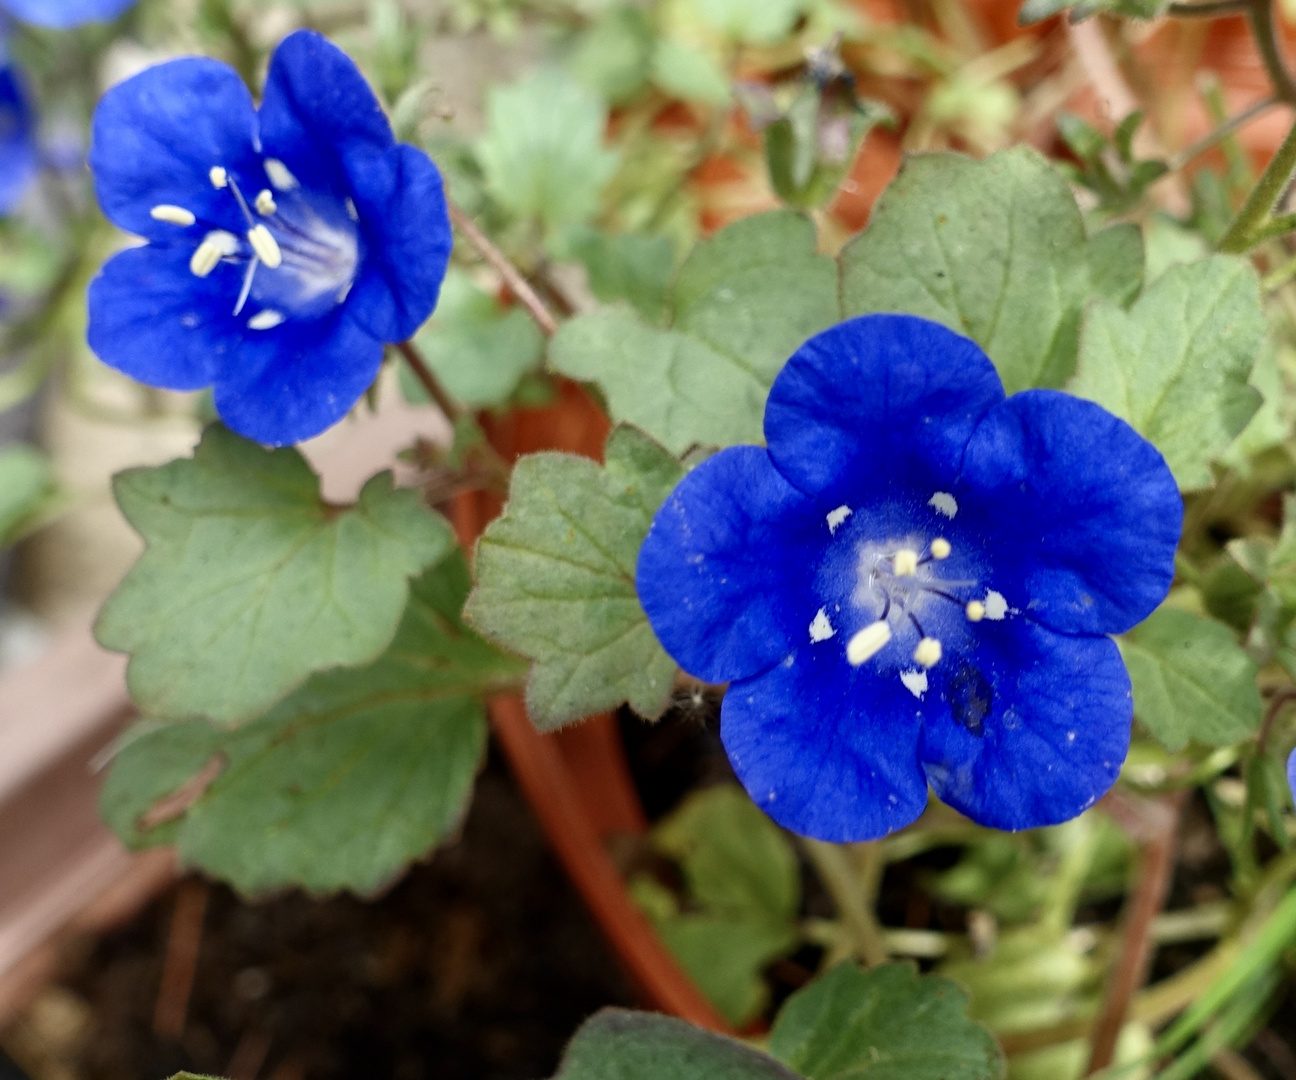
x: 64, y: 14
x: 18, y: 155
x: 914, y: 585
x: 285, y: 245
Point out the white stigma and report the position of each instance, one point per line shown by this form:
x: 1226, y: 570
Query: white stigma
x: 172, y: 215
x: 928, y: 652
x: 996, y: 607
x: 836, y: 517
x: 868, y: 642
x: 976, y: 611
x: 915, y: 682
x: 265, y: 204
x: 943, y: 503
x: 219, y: 177
x: 215, y: 246
x: 821, y: 629
x: 279, y: 175
x: 905, y: 562
x: 265, y: 320
x: 940, y: 548
x: 265, y: 245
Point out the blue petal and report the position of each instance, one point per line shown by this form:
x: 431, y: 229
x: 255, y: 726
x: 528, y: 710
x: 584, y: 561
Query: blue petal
x: 876, y: 401
x: 721, y: 574
x: 1034, y: 728
x: 156, y: 322
x: 1081, y: 514
x: 402, y: 208
x: 17, y: 140
x: 64, y: 14
x: 157, y: 136
x: 294, y: 381
x: 1291, y: 773
x: 826, y: 750
x: 317, y: 108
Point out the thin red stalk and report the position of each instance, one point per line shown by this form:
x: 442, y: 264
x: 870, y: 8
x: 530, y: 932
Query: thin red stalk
x: 429, y: 381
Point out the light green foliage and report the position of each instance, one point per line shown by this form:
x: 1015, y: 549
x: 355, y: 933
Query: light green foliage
x: 478, y: 349
x: 620, y: 1045
x: 1268, y: 427
x: 742, y: 303
x: 614, y: 56
x: 809, y: 148
x: 752, y: 22
x: 249, y: 582
x: 26, y: 483
x: 555, y: 579
x: 342, y: 784
x: 1116, y: 263
x: 543, y: 154
x: 743, y: 891
x: 993, y: 249
x: 1033, y: 11
x: 888, y: 1023
x: 1192, y: 681
x: 630, y: 267
x: 688, y: 72
x: 1176, y: 365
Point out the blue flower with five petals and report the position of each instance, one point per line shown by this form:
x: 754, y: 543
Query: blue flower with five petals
x: 914, y: 584
x: 286, y: 245
x: 64, y: 14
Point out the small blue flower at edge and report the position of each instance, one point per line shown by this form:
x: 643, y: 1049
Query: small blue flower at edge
x: 285, y: 245
x: 18, y: 152
x: 915, y: 584
x: 64, y: 14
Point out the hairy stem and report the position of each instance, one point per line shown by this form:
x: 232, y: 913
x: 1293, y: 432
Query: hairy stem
x: 1219, y: 134
x: 1263, y: 198
x: 429, y: 381
x: 1260, y: 13
x: 852, y: 884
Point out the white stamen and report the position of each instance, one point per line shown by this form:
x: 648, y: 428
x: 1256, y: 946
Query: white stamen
x: 868, y: 642
x: 219, y: 177
x: 279, y: 175
x: 821, y: 629
x: 265, y: 245
x: 976, y: 611
x: 915, y: 682
x: 928, y: 652
x: 943, y: 503
x: 215, y: 246
x: 265, y: 204
x: 246, y: 291
x: 996, y: 607
x: 940, y: 548
x: 836, y: 517
x: 265, y: 320
x: 344, y: 292
x: 351, y: 210
x: 905, y: 562
x: 172, y: 215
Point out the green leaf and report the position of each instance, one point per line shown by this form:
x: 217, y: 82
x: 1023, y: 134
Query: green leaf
x: 342, y: 784
x: 888, y: 1023
x: 249, y: 582
x: 686, y: 72
x: 634, y: 268
x: 614, y: 55
x: 1169, y: 244
x: 1116, y: 263
x: 1268, y: 427
x: 743, y: 301
x: 752, y: 22
x: 993, y: 249
x: 1176, y: 365
x: 556, y: 579
x: 620, y: 1045
x: 478, y: 349
x: 543, y: 154
x: 1192, y: 681
x: 26, y: 482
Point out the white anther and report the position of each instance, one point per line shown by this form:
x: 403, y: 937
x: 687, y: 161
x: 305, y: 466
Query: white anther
x: 905, y: 562
x: 996, y: 607
x: 265, y: 204
x: 836, y: 517
x: 915, y: 682
x: 215, y: 246
x: 219, y: 177
x: 943, y: 503
x: 265, y: 245
x: 821, y: 628
x: 351, y: 210
x: 265, y: 320
x: 975, y: 610
x: 279, y: 175
x: 344, y: 292
x: 172, y: 215
x: 928, y: 652
x: 940, y: 548
x: 868, y: 642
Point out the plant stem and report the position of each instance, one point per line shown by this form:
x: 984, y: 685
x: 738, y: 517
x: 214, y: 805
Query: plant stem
x: 429, y: 381
x: 1219, y: 134
x: 852, y: 888
x: 1260, y: 13
x: 1263, y: 198
x: 516, y: 283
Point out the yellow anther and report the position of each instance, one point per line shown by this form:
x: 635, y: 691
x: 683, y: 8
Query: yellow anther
x: 265, y: 203
x: 928, y: 652
x: 905, y: 562
x: 265, y: 245
x: 940, y: 548
x: 975, y: 611
x: 868, y: 642
x: 219, y: 177
x: 215, y: 246
x: 172, y: 215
